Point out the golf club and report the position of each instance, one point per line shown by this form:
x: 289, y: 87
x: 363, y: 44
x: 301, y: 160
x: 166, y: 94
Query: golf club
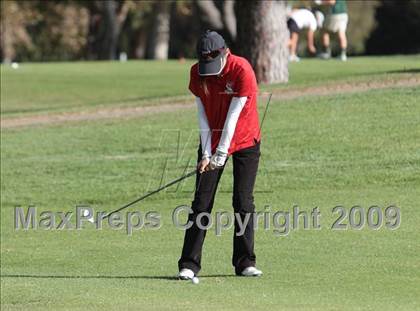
x: 178, y: 179
x: 152, y: 192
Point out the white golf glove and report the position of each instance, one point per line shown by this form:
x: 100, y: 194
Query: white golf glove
x: 218, y: 160
x: 205, y: 156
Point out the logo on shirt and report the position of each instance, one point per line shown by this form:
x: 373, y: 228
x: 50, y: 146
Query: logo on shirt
x: 228, y: 88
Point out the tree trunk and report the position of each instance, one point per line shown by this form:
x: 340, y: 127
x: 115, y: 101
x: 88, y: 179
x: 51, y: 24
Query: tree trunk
x: 229, y: 18
x: 262, y: 38
x: 108, y: 47
x: 140, y: 44
x: 218, y: 16
x: 158, y: 40
x: 210, y: 14
x: 106, y: 20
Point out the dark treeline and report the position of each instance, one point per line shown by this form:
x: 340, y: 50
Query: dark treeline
x: 398, y: 28
x: 41, y: 30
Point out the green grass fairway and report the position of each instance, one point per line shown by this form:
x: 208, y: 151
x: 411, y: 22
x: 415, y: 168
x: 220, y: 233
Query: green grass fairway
x: 323, y: 151
x: 45, y: 88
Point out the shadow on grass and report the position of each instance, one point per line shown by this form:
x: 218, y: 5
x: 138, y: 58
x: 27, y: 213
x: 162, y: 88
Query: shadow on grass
x: 147, y: 277
x: 408, y: 70
x: 386, y: 72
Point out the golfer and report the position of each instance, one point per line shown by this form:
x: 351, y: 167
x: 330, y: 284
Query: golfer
x: 225, y: 92
x: 298, y: 20
x: 336, y: 21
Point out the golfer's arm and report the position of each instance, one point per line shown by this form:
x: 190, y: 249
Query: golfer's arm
x: 205, y: 132
x: 235, y: 108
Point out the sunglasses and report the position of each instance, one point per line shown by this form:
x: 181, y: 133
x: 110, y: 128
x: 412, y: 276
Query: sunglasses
x: 212, y: 54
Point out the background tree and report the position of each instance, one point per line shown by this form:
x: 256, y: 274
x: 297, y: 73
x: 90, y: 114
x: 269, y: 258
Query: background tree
x: 13, y: 30
x: 219, y: 16
x: 361, y: 24
x: 106, y: 20
x: 158, y: 39
x: 53, y: 30
x: 43, y: 30
x: 398, y: 28
x: 136, y: 28
x: 263, y: 35
x: 185, y: 25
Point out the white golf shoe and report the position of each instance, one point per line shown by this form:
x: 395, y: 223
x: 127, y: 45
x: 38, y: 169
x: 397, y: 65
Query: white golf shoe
x: 251, y: 271
x: 294, y: 58
x: 186, y: 274
x: 324, y: 55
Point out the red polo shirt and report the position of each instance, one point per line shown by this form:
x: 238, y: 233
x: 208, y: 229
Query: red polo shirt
x: 236, y: 80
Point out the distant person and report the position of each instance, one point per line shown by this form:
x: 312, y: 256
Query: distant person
x: 336, y: 21
x: 298, y: 20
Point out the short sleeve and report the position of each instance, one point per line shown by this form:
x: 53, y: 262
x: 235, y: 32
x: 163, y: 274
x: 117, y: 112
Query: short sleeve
x: 246, y: 83
x: 193, y: 86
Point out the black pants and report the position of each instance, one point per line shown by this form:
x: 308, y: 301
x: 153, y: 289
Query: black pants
x: 245, y: 166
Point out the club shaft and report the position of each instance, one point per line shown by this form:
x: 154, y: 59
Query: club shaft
x: 152, y: 193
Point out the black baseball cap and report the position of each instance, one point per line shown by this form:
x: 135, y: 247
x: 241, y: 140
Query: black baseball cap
x: 211, y: 48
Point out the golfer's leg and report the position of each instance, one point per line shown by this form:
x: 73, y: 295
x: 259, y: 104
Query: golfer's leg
x: 206, y: 186
x: 245, y: 166
x: 325, y: 40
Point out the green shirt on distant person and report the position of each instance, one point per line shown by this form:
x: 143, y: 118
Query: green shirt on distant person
x: 339, y: 7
